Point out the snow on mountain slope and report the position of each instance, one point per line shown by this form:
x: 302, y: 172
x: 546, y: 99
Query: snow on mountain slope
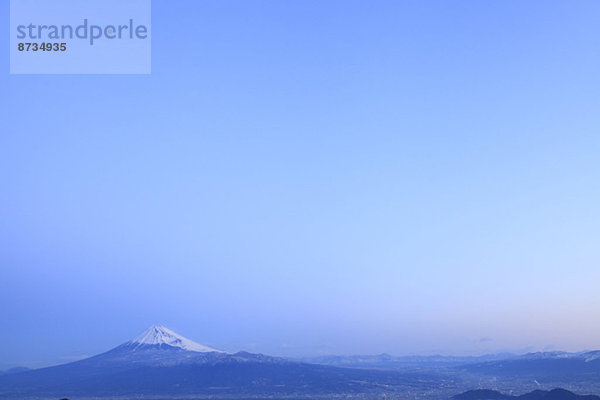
x: 159, y: 335
x: 591, y: 355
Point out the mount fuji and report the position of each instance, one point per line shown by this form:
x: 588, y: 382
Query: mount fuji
x: 159, y: 362
x: 161, y: 336
x: 159, y: 346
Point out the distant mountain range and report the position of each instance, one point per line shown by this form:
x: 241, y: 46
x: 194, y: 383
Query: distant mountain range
x: 160, y: 362
x: 538, y: 365
x: 386, y: 361
x: 556, y: 394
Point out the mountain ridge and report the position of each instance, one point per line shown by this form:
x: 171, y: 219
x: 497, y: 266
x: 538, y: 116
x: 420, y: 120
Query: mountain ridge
x: 163, y: 364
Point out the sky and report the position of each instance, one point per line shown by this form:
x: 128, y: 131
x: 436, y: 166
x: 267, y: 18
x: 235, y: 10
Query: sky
x: 311, y: 177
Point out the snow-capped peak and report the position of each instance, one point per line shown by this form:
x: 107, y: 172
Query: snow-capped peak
x: 160, y: 335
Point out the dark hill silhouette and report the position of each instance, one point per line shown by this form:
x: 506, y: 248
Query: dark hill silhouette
x: 556, y: 394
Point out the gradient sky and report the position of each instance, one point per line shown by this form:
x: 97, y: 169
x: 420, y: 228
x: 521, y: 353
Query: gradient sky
x: 308, y: 177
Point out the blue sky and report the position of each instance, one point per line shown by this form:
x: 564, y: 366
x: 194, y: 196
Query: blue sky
x: 309, y: 177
